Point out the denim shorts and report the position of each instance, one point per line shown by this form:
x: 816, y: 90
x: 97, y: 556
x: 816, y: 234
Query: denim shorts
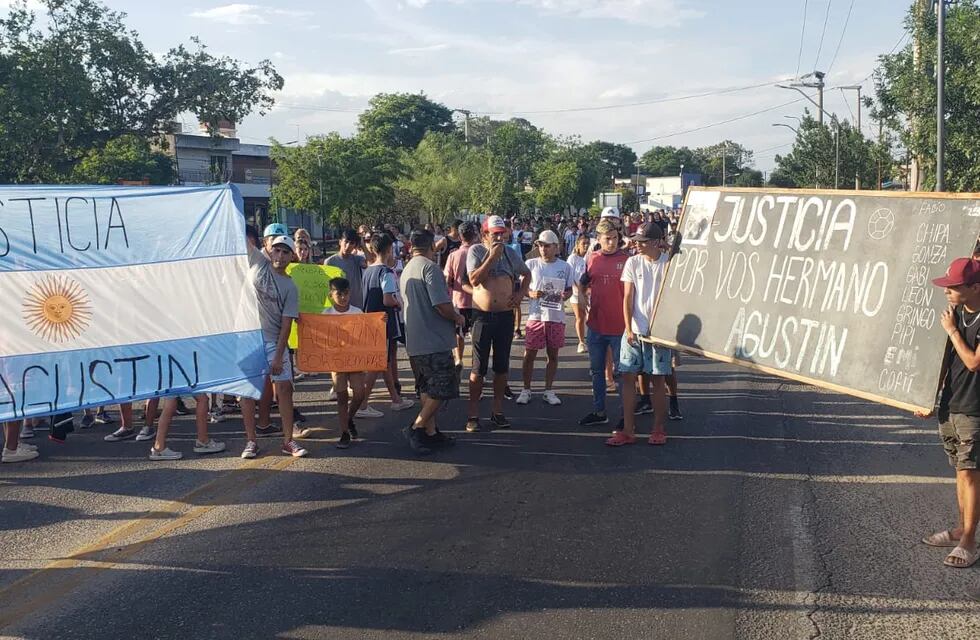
x: 959, y: 434
x: 645, y: 358
x: 287, y: 363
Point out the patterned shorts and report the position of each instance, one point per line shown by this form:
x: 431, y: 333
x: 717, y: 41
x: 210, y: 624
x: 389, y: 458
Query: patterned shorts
x: 544, y: 335
x: 959, y: 434
x: 436, y: 375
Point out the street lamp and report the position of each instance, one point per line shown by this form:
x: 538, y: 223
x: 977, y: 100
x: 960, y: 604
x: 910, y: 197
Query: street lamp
x: 791, y: 128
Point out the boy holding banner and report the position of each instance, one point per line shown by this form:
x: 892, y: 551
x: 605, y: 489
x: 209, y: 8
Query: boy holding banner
x: 642, y: 279
x: 959, y: 407
x: 278, y: 308
x: 346, y: 405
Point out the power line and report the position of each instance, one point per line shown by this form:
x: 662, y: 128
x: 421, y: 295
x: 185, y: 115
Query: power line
x: 705, y: 94
x: 717, y: 124
x: 826, y: 18
x: 799, y: 57
x: 846, y: 103
x: 847, y: 21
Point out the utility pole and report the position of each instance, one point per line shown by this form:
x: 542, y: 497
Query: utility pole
x: 855, y: 87
x: 466, y: 123
x: 940, y: 95
x: 724, y: 165
x: 817, y: 84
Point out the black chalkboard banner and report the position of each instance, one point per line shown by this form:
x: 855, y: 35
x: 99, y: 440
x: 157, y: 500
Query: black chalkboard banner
x: 831, y: 288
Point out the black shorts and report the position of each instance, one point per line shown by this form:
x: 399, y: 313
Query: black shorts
x: 492, y: 330
x: 435, y: 375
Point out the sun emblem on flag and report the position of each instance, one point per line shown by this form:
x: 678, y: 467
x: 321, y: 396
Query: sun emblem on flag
x: 57, y: 309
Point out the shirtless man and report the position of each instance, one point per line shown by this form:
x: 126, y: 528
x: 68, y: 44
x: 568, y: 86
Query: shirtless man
x: 500, y: 280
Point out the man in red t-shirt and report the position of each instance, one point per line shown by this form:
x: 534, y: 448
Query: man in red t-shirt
x: 603, y: 280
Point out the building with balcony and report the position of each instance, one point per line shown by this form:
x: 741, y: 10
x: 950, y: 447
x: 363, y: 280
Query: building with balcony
x: 201, y: 159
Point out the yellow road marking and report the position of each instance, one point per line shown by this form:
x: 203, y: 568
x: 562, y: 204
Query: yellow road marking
x: 32, y: 592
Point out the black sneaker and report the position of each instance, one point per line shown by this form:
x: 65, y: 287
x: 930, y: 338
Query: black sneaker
x: 593, y: 419
x: 416, y: 440
x: 352, y: 428
x: 675, y: 414
x: 298, y: 418
x: 104, y: 417
x: 268, y: 432
x: 499, y: 421
x: 182, y: 409
x: 508, y: 393
x: 472, y: 425
x: 439, y: 439
x: 643, y: 406
x: 344, y: 442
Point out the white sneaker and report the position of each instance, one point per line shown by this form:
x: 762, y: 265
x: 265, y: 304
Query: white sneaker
x: 550, y: 397
x: 406, y: 403
x: 368, y: 412
x: 26, y: 432
x: 20, y: 454
x: 166, y: 454
x: 146, y: 433
x: 332, y: 395
x: 581, y: 347
x: 29, y: 447
x: 211, y: 446
x: 251, y: 450
x: 214, y: 417
x: 523, y: 397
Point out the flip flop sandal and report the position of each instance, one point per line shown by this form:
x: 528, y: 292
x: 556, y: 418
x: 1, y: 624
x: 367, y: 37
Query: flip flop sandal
x: 969, y: 558
x: 941, y: 539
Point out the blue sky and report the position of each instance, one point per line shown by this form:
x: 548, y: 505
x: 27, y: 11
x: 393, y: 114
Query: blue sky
x: 509, y: 56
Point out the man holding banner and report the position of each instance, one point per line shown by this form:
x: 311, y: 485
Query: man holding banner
x: 959, y: 407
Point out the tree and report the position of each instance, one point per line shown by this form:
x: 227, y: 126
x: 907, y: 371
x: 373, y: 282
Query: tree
x: 493, y: 191
x: 401, y: 120
x: 355, y: 176
x: 78, y: 79
x: 720, y: 162
x: 906, y: 91
x: 619, y: 159
x: 667, y: 161
x: 556, y: 184
x: 128, y: 157
x: 813, y: 160
x: 749, y: 178
x: 441, y: 173
x: 516, y: 146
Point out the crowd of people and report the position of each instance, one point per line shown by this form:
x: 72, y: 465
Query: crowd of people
x: 439, y: 290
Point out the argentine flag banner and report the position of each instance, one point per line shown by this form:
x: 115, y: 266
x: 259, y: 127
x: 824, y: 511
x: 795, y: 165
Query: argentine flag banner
x: 112, y: 294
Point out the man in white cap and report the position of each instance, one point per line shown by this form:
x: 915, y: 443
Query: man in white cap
x: 551, y: 285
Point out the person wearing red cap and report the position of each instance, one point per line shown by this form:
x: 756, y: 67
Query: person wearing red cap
x: 959, y: 406
x: 500, y: 280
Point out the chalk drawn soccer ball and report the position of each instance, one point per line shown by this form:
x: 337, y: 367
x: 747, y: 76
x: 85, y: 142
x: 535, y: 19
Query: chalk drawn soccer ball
x: 881, y: 224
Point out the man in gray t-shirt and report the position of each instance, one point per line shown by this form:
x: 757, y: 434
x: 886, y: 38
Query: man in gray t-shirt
x: 277, y: 295
x: 278, y: 301
x: 351, y: 264
x: 430, y: 337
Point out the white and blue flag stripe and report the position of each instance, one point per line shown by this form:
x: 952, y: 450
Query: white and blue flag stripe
x: 136, y: 293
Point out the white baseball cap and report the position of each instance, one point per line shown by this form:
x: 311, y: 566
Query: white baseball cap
x: 494, y: 224
x: 548, y: 237
x: 286, y: 240
x: 610, y: 212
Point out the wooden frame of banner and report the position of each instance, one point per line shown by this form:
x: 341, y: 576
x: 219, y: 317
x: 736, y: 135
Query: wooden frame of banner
x: 779, y: 372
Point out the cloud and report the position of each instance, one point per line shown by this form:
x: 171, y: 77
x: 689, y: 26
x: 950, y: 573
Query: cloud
x: 242, y: 14
x: 414, y: 51
x: 662, y: 12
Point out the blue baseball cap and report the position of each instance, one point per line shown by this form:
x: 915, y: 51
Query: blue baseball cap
x: 276, y: 229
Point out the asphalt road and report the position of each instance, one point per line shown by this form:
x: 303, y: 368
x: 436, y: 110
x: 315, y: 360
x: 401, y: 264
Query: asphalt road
x: 776, y: 510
